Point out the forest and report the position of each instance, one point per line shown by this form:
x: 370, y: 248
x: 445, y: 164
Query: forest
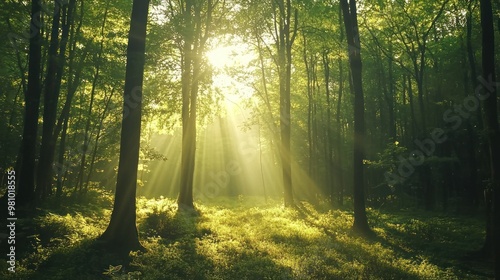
x: 249, y: 139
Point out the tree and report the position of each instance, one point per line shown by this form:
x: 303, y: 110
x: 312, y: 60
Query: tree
x: 32, y: 105
x: 121, y: 233
x: 408, y: 28
x: 54, y: 74
x: 194, y: 33
x: 285, y: 35
x: 354, y: 49
x: 95, y: 79
x: 489, y: 96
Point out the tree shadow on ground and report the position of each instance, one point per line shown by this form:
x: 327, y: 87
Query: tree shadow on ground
x: 84, y: 260
x: 442, y: 240
x: 351, y: 250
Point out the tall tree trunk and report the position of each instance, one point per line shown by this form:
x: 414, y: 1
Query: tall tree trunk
x: 471, y: 193
x: 52, y: 91
x: 261, y: 165
x: 265, y: 95
x: 185, y: 199
x: 420, y: 96
x: 354, y: 48
x: 339, y: 142
x: 197, y: 26
x: 309, y: 109
x: 26, y: 191
x: 414, y: 127
x: 285, y: 39
x: 121, y: 234
x: 62, y: 122
x: 488, y: 242
x: 404, y: 114
x: 61, y: 169
x: 328, y: 130
x: 382, y: 89
x: 489, y: 95
x: 390, y: 99
x: 340, y: 135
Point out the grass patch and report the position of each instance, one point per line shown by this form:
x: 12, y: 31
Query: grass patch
x: 247, y: 238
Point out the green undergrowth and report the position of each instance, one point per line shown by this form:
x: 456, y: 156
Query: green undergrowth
x: 248, y: 238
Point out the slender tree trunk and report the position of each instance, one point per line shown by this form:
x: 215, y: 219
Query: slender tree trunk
x: 340, y: 141
x: 403, y: 115
x: 471, y: 194
x: 389, y: 98
x: 265, y: 97
x: 261, y: 165
x: 86, y: 136
x: 185, y: 199
x: 309, y: 110
x: 284, y: 44
x: 197, y: 25
x: 121, y: 234
x: 49, y: 107
x: 329, y: 137
x: 26, y: 190
x: 52, y: 91
x: 61, y: 169
x: 97, y: 138
x: 315, y: 129
x: 421, y: 104
x: 489, y: 94
x: 414, y: 127
x: 352, y: 32
x: 488, y: 243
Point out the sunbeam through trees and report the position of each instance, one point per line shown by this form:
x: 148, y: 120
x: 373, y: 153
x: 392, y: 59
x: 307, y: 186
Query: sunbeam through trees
x: 256, y: 139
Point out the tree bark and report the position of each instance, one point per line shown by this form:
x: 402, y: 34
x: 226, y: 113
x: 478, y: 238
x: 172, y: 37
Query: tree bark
x: 489, y: 95
x: 26, y: 191
x: 195, y: 34
x: 309, y: 109
x: 121, y: 234
x: 414, y: 127
x: 285, y: 38
x: 328, y: 130
x: 52, y: 92
x: 389, y: 98
x: 339, y: 142
x: 354, y: 49
x: 471, y: 195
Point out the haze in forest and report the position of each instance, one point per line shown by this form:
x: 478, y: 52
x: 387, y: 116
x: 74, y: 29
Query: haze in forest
x: 175, y: 131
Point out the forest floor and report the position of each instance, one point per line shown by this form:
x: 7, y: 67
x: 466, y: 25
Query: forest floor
x: 246, y: 238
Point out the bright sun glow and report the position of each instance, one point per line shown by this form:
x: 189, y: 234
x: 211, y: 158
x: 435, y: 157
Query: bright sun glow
x: 230, y: 56
x: 226, y: 60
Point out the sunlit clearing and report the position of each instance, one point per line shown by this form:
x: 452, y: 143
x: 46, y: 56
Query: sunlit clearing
x: 233, y: 158
x: 264, y: 241
x: 239, y: 165
x: 235, y: 155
